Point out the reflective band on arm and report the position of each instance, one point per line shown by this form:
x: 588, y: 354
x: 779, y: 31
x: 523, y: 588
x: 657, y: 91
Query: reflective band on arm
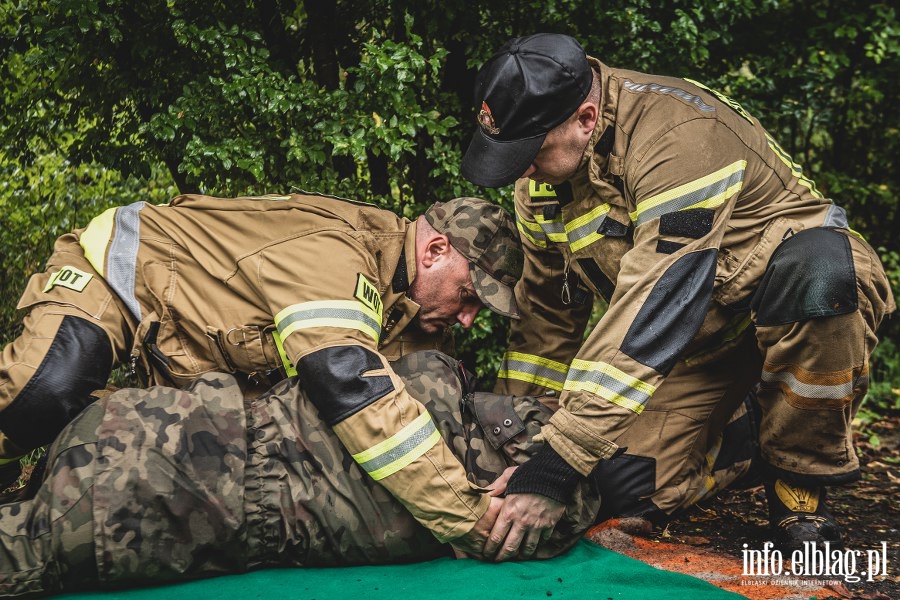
x: 347, y: 314
x: 401, y: 449
x: 533, y: 369
x: 707, y: 192
x: 120, y: 229
x: 608, y: 382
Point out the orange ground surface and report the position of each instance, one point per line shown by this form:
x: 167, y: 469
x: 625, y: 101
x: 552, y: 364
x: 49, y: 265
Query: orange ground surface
x: 621, y: 535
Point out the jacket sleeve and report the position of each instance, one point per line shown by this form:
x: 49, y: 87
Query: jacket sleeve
x: 680, y: 196
x: 323, y: 292
x: 548, y: 334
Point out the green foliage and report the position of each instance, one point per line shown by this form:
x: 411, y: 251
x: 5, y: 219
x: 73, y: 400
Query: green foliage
x: 110, y: 102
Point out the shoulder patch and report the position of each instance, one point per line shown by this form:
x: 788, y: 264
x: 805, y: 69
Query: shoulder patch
x: 540, y: 190
x: 69, y: 277
x: 367, y: 293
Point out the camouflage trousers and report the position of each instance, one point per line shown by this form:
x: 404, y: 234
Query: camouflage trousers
x: 161, y: 485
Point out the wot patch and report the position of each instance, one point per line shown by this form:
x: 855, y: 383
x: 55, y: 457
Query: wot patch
x: 69, y: 277
x: 367, y: 293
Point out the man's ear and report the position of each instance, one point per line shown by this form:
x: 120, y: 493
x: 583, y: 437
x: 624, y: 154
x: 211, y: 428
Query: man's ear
x: 436, y: 247
x: 587, y: 116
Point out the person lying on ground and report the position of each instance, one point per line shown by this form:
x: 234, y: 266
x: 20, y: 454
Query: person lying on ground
x: 264, y: 288
x: 158, y: 485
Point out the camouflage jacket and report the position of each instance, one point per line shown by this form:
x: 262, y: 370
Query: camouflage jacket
x: 159, y: 485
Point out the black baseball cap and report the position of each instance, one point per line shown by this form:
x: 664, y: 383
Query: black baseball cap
x: 531, y: 85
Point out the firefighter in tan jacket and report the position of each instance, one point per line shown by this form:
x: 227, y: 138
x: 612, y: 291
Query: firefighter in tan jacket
x: 319, y: 287
x: 722, y: 266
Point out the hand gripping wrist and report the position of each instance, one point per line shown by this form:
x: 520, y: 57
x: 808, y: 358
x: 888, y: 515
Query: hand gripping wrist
x: 547, y: 474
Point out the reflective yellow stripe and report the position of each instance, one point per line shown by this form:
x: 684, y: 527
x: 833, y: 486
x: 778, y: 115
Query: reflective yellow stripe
x: 707, y: 192
x: 390, y: 455
x: 111, y: 243
x: 533, y: 369
x: 606, y: 381
x: 95, y: 239
x: 582, y: 231
x: 796, y: 170
x: 577, y: 233
x: 540, y: 243
x: 531, y: 230
x: 346, y: 314
x: 289, y: 367
x: 554, y: 228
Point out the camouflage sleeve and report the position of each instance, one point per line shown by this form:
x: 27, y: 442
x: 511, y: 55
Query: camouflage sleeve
x: 490, y: 432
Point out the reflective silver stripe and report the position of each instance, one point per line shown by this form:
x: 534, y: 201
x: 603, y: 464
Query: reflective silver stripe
x: 533, y: 369
x: 836, y: 217
x: 709, y: 191
x: 610, y: 383
x: 532, y: 231
x: 811, y: 390
x: 121, y: 261
x: 555, y: 229
x: 582, y: 231
x: 401, y: 449
x: 665, y: 89
x: 348, y: 314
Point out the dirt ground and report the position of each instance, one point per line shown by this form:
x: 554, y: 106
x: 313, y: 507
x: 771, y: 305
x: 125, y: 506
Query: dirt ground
x: 708, y: 540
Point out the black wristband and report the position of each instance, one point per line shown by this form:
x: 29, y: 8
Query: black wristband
x: 546, y: 473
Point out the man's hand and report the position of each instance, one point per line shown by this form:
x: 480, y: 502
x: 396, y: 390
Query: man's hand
x: 472, y: 543
x: 498, y: 487
x: 525, y: 520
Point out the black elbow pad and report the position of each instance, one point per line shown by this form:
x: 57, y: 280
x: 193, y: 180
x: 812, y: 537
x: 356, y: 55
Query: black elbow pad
x: 77, y: 363
x: 673, y: 312
x: 334, y: 380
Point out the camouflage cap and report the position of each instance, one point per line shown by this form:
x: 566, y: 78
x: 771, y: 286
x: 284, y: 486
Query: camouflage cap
x: 487, y: 236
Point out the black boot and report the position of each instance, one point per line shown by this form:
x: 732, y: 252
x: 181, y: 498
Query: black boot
x: 799, y: 515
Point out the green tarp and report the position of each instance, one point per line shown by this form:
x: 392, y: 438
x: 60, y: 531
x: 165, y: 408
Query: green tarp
x: 586, y: 572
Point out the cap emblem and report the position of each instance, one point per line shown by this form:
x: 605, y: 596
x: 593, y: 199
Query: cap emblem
x: 486, y: 120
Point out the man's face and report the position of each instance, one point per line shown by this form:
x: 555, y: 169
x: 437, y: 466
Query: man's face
x: 445, y: 293
x: 560, y: 154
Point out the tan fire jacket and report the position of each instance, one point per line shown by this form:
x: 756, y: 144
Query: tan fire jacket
x: 299, y: 283
x: 680, y: 191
